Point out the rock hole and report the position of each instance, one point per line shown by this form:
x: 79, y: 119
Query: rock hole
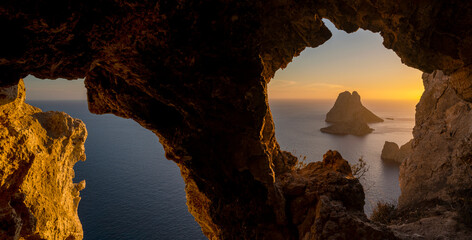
x: 130, y: 186
x: 302, y: 94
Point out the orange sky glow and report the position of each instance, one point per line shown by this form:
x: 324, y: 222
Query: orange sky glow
x: 353, y: 62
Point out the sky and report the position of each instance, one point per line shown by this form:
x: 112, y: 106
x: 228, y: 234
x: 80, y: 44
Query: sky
x: 346, y: 62
x: 59, y: 89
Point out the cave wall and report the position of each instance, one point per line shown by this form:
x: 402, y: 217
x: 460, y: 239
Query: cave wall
x: 196, y: 72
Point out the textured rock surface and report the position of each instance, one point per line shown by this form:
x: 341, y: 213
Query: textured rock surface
x: 38, y: 150
x: 427, y: 35
x: 436, y: 179
x: 196, y: 73
x: 326, y: 202
x: 439, y: 223
x: 405, y: 151
x: 349, y: 116
x: 392, y: 153
x: 440, y: 167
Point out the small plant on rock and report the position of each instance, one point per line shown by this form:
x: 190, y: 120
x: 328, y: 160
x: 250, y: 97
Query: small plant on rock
x: 301, y: 162
x: 359, y: 169
x: 384, y: 212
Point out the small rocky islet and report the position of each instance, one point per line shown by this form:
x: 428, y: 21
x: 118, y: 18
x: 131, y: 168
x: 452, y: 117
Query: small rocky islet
x: 349, y: 116
x: 391, y: 152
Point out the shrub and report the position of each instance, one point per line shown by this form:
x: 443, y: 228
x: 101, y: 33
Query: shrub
x: 301, y: 162
x: 359, y: 169
x: 384, y: 212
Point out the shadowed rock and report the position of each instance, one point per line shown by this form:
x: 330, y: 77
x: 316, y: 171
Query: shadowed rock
x: 354, y: 127
x: 392, y: 153
x: 196, y: 73
x: 389, y: 151
x: 326, y: 202
x: 349, y: 116
x: 348, y: 108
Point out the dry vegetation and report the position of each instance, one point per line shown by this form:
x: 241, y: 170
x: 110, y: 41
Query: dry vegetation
x: 359, y: 169
x: 301, y: 162
x: 384, y: 212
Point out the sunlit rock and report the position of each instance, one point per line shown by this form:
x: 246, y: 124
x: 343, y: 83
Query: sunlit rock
x: 436, y: 177
x: 38, y: 199
x: 440, y: 165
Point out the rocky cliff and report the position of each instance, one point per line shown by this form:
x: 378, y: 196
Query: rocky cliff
x: 196, y: 73
x: 349, y: 116
x: 439, y: 168
x: 38, y: 199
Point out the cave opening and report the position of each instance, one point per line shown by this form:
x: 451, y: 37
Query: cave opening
x: 128, y: 178
x: 301, y: 95
x: 143, y: 58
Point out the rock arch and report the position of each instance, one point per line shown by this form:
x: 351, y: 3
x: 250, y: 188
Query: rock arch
x: 196, y: 73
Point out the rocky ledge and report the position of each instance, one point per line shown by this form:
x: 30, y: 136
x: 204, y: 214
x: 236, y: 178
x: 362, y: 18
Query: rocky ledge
x: 325, y: 201
x: 38, y: 199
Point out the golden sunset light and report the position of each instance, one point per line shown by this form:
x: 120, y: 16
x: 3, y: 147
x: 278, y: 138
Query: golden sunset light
x: 353, y: 62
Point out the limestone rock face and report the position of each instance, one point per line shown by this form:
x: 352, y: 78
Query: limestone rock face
x: 404, y: 151
x: 392, y: 153
x: 38, y: 150
x: 349, y: 116
x: 440, y: 165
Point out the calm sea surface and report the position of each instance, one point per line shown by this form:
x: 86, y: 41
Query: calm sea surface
x: 133, y: 192
x: 297, y: 125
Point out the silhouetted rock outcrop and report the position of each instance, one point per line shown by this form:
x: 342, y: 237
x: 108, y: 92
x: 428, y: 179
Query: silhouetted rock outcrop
x: 392, y: 153
x: 389, y: 151
x: 349, y: 116
x: 348, y: 108
x: 355, y: 127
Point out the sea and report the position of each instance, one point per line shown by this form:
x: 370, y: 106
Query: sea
x: 133, y: 192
